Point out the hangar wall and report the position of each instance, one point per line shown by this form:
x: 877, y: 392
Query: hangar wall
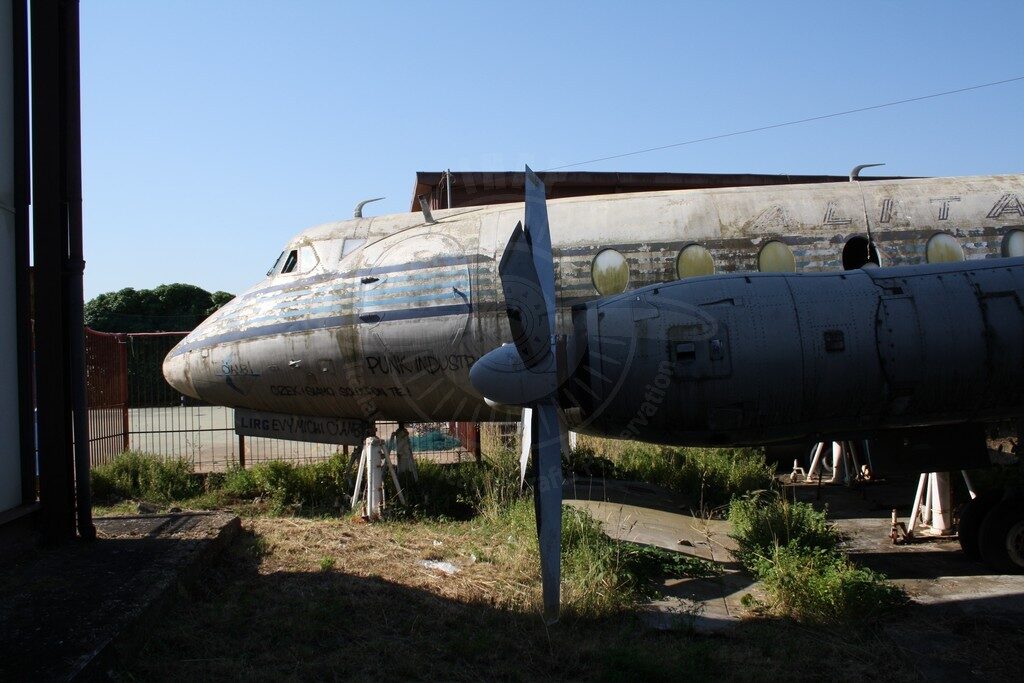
x: 10, y: 446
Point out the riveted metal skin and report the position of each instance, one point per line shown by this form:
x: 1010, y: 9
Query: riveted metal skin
x: 763, y: 358
x: 387, y: 315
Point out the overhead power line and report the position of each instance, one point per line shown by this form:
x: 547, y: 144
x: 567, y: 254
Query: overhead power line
x: 791, y: 123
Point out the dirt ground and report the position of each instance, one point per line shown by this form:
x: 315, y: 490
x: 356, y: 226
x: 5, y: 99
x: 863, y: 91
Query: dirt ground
x: 310, y: 599
x: 314, y: 599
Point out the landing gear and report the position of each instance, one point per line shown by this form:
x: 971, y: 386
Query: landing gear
x: 971, y: 517
x: 991, y: 529
x: 1001, y: 537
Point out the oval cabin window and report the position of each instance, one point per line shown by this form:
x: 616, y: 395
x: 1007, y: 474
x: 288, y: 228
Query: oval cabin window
x: 776, y: 257
x: 1013, y: 243
x: 610, y: 272
x: 859, y: 253
x: 943, y: 248
x: 694, y: 260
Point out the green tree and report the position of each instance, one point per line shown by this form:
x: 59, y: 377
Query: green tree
x: 167, y: 308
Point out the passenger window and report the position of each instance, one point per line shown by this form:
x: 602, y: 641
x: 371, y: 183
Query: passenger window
x: 1013, y: 243
x: 943, y: 248
x: 776, y: 257
x: 610, y: 272
x: 694, y: 260
x: 859, y: 252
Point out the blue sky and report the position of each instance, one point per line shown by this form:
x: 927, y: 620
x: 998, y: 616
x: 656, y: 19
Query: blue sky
x: 215, y: 131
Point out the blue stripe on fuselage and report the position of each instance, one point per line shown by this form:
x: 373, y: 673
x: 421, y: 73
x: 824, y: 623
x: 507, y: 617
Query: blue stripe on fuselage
x: 322, y: 323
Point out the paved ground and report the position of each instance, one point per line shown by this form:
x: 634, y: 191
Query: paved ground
x: 934, y: 572
x: 62, y: 607
x: 643, y: 513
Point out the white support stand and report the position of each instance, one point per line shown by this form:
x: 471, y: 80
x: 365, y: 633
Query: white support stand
x: 935, y: 516
x: 942, y: 509
x: 837, y: 461
x: 372, y: 461
x: 403, y: 451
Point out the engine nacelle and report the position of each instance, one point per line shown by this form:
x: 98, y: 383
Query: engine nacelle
x: 763, y: 358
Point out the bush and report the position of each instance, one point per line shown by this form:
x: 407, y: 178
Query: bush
x: 822, y: 586
x: 761, y: 522
x: 134, y: 475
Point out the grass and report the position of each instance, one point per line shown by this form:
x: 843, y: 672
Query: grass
x: 304, y: 595
x: 710, y: 477
x: 791, y: 548
x: 601, y: 576
x: 270, y: 611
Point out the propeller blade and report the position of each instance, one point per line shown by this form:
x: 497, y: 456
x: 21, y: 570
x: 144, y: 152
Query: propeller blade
x: 539, y: 235
x: 527, y: 374
x: 525, y: 304
x: 547, y: 500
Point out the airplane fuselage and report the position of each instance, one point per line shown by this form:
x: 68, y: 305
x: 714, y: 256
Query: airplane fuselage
x: 381, y: 318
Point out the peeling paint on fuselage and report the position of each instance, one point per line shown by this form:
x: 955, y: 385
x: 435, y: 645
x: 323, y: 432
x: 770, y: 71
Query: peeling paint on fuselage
x: 390, y: 329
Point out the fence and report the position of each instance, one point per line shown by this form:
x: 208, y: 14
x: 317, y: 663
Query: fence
x: 132, y: 407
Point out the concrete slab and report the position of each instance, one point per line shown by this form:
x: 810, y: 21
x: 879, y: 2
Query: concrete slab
x: 933, y: 572
x: 61, y: 607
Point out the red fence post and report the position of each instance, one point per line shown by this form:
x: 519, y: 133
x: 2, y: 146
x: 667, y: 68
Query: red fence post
x: 122, y: 347
x: 476, y: 443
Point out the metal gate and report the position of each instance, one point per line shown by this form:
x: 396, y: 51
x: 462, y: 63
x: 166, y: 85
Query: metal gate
x: 106, y: 382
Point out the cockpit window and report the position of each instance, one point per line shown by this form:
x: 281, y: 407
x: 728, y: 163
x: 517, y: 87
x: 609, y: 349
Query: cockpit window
x: 273, y: 268
x: 291, y: 261
x: 301, y: 260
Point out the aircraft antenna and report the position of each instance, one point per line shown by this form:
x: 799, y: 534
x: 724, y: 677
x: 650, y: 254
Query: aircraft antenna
x: 855, y: 173
x: 425, y: 208
x: 358, y: 213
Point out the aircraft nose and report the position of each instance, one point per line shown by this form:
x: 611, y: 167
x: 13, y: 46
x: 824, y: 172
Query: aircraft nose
x: 176, y: 371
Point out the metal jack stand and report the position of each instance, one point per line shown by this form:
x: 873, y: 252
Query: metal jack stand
x: 844, y: 457
x: 372, y: 461
x: 934, y: 519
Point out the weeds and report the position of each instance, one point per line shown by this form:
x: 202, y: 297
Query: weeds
x: 764, y: 520
x: 276, y: 486
x: 821, y: 585
x: 139, y: 476
x: 795, y: 553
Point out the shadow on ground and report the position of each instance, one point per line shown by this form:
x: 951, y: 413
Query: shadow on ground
x: 241, y: 623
